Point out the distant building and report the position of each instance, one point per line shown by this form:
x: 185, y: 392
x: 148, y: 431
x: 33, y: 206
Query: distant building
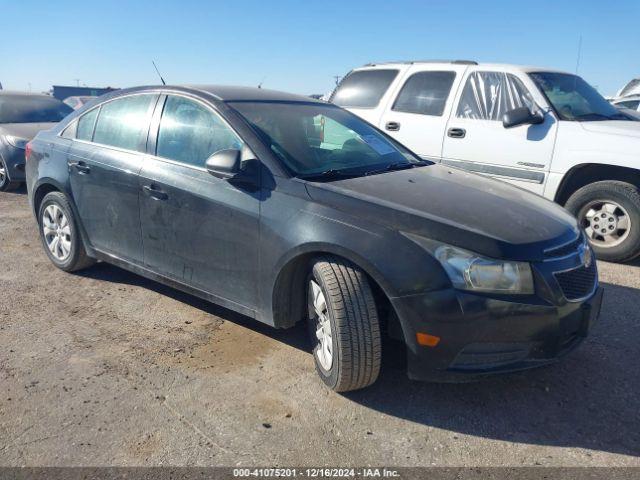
x: 61, y: 91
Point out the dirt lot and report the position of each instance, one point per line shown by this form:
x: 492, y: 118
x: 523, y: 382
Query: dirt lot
x: 107, y: 368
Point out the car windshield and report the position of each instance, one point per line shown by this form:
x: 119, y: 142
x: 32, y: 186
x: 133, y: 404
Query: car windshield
x: 31, y: 109
x: 318, y: 140
x: 574, y: 99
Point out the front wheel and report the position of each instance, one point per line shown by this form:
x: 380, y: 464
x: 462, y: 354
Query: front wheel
x: 609, y: 213
x: 343, y: 323
x: 6, y: 185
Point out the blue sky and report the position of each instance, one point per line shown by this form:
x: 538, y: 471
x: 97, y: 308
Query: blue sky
x: 300, y: 45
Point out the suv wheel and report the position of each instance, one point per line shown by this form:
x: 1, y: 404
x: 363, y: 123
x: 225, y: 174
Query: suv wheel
x: 609, y: 213
x: 60, y: 235
x: 6, y: 185
x: 343, y: 325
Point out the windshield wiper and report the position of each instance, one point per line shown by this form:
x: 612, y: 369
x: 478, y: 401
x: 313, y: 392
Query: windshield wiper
x: 327, y: 175
x: 600, y: 116
x: 395, y: 166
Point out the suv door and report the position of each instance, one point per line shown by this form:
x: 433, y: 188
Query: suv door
x: 417, y: 115
x: 104, y: 161
x: 476, y: 139
x: 197, y: 229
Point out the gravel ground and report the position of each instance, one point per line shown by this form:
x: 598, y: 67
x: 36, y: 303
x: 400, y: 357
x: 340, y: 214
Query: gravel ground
x: 107, y: 368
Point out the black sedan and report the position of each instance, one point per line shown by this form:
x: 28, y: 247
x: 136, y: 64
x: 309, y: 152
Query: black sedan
x: 289, y: 209
x: 22, y: 115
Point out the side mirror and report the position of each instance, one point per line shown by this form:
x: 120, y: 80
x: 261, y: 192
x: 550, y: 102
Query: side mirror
x: 224, y: 164
x: 521, y: 116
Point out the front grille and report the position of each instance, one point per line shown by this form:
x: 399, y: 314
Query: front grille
x: 564, y: 250
x: 579, y: 282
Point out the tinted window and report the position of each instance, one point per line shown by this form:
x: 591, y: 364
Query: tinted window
x: 124, y: 122
x: 191, y: 133
x: 425, y: 93
x: 31, y: 109
x: 488, y: 95
x: 84, y: 130
x: 364, y: 88
x: 632, y: 104
x: 315, y: 138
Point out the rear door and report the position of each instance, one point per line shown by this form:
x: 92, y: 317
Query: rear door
x: 197, y: 229
x: 104, y: 161
x: 416, y: 114
x: 476, y: 140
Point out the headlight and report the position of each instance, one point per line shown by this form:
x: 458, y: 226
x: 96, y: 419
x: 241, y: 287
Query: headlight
x: 470, y: 271
x: 17, y: 141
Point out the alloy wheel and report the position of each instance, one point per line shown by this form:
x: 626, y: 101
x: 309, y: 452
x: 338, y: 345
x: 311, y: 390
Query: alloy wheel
x: 57, y: 232
x: 319, y: 314
x: 606, y: 223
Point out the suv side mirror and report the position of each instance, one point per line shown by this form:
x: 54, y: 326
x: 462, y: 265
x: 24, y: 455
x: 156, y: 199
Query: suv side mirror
x: 224, y: 164
x: 521, y: 116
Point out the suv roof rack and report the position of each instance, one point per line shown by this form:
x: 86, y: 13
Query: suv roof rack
x: 411, y: 62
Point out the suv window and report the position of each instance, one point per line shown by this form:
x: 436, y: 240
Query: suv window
x: 84, y: 130
x: 488, y: 95
x: 364, y: 88
x: 632, y: 104
x: 190, y: 132
x: 124, y: 122
x: 425, y: 93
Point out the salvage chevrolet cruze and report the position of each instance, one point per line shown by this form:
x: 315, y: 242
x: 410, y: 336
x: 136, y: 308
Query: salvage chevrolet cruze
x: 288, y: 209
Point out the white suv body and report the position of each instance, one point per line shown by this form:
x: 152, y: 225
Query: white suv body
x: 575, y: 152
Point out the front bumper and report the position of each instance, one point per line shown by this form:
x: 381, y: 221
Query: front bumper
x: 15, y: 162
x: 482, y: 335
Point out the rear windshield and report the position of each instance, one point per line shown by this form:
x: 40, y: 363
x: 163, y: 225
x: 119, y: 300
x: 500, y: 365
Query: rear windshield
x: 364, y: 88
x: 31, y: 109
x: 318, y: 138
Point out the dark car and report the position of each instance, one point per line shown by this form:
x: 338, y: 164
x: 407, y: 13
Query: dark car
x: 232, y: 195
x: 22, y: 115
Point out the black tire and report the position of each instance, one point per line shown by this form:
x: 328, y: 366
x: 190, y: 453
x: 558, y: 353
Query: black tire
x: 354, y: 324
x: 625, y: 195
x: 6, y: 185
x: 77, y: 258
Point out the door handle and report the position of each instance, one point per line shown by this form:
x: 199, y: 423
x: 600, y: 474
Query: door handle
x: 155, y: 192
x: 392, y: 126
x: 456, y: 132
x: 81, y: 166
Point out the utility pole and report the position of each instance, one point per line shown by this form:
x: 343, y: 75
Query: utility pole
x: 77, y: 82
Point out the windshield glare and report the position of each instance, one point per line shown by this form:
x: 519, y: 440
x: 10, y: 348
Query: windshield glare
x: 31, y: 109
x: 574, y: 99
x: 315, y: 138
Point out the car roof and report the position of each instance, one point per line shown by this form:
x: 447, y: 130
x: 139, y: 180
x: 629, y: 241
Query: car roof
x: 444, y: 63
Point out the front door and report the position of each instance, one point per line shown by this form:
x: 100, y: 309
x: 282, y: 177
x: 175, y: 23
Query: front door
x: 197, y: 229
x: 476, y: 140
x: 104, y: 161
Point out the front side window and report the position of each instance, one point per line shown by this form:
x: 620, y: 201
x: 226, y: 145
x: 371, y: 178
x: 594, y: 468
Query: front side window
x: 425, y: 93
x: 84, y: 131
x: 363, y: 88
x: 632, y: 104
x: 574, y: 99
x: 312, y: 139
x: 190, y: 132
x: 489, y: 95
x: 124, y: 122
x: 31, y: 109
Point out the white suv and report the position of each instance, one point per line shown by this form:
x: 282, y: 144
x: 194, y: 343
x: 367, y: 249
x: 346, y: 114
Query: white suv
x: 544, y: 130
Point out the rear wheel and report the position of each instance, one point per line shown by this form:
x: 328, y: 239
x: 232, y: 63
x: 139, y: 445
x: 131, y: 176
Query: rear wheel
x: 6, y: 185
x: 343, y: 323
x: 609, y: 213
x: 59, y: 234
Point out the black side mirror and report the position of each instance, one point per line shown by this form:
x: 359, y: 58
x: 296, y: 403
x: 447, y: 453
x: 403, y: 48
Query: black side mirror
x: 521, y: 116
x: 224, y: 164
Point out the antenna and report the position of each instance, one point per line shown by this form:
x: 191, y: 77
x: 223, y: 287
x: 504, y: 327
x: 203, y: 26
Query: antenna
x: 337, y: 78
x: 579, y: 52
x: 158, y: 72
x: 262, y: 81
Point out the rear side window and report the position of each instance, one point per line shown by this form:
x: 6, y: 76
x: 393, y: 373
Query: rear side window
x: 190, y: 132
x: 124, y: 122
x: 488, y: 95
x: 425, y: 93
x: 84, y: 130
x: 364, y: 88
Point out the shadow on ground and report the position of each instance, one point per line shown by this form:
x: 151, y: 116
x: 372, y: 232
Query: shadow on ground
x: 588, y: 400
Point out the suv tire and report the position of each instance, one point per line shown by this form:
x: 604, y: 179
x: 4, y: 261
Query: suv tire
x: 603, y: 197
x: 343, y: 322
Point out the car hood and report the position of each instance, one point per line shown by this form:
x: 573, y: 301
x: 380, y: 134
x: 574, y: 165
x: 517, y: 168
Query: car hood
x: 24, y: 130
x: 455, y: 207
x: 627, y: 128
